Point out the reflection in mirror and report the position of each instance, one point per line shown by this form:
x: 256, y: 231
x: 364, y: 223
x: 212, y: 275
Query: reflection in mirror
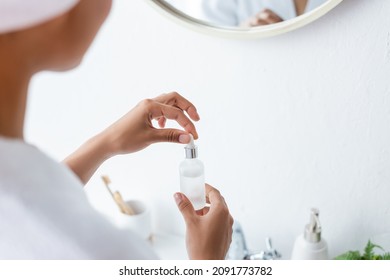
x: 244, y: 13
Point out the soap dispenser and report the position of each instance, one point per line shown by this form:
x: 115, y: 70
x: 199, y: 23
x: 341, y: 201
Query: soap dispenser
x: 192, y: 182
x: 310, y: 245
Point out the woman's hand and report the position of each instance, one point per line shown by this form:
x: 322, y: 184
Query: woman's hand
x: 209, y: 233
x: 265, y: 17
x: 135, y: 131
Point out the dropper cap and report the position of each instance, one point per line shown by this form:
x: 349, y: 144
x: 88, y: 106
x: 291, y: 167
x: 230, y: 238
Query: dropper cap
x: 191, y: 149
x: 313, y: 229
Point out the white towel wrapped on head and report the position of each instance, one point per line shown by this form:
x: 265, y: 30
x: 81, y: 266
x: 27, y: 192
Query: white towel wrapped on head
x: 21, y: 14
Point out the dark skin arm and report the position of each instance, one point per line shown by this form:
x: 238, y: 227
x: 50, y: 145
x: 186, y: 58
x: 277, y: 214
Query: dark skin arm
x: 135, y: 131
x: 300, y: 6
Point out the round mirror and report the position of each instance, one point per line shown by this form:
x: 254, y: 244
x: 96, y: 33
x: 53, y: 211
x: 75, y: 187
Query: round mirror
x: 245, y: 18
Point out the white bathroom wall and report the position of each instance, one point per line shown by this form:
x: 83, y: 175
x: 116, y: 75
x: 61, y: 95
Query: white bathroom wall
x: 287, y: 123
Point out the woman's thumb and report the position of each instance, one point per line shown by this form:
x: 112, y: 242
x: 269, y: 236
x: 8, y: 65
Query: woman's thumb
x: 173, y: 136
x: 185, y: 206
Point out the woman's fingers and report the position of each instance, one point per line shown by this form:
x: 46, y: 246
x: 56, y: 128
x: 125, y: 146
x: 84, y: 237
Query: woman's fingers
x: 171, y: 136
x: 209, y: 231
x: 215, y: 198
x: 152, y: 109
x: 176, y: 100
x: 161, y: 122
x: 264, y: 17
x: 160, y: 111
x: 269, y: 16
x: 257, y: 22
x: 185, y: 207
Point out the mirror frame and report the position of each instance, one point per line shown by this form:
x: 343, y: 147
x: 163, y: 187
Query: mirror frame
x: 250, y: 33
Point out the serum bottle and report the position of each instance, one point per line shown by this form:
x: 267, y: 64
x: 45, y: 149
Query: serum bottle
x: 192, y: 182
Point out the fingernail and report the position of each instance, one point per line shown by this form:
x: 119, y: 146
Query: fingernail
x: 184, y: 139
x: 178, y: 198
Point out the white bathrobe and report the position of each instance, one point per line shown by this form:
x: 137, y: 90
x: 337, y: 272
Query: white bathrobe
x: 44, y: 213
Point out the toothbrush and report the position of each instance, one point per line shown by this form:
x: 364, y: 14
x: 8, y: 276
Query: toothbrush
x: 123, y: 206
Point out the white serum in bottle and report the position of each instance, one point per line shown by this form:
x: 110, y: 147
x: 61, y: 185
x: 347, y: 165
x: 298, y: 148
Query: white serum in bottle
x: 192, y: 182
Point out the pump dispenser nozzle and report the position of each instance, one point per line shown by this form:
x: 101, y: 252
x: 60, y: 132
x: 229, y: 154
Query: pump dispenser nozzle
x: 313, y: 229
x: 311, y: 245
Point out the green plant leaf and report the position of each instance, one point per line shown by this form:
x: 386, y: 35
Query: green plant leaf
x: 369, y: 251
x: 386, y: 256
x: 351, y: 255
x: 368, y: 254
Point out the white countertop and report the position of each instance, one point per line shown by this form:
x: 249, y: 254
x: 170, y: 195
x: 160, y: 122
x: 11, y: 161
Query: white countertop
x: 169, y: 247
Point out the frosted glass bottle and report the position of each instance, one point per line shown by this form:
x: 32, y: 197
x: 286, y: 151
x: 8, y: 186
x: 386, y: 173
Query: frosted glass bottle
x: 192, y: 181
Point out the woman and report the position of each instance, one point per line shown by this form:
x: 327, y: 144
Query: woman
x: 44, y: 213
